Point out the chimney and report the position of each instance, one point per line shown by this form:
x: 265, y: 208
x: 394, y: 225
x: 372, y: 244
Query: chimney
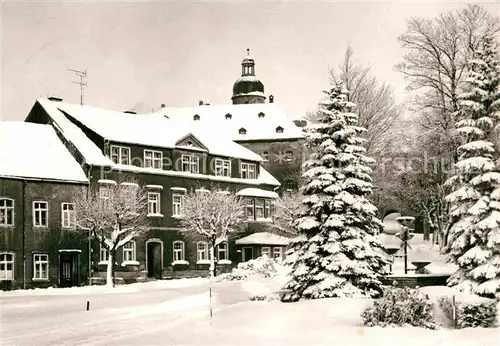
x: 55, y: 99
x: 271, y: 99
x: 162, y: 105
x: 130, y: 112
x: 200, y: 103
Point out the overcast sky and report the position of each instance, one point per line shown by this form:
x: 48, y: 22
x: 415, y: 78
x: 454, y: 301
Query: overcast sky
x: 140, y: 55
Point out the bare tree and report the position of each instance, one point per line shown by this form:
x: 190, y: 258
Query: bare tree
x: 285, y: 213
x: 114, y: 215
x: 212, y: 216
x: 374, y: 102
x: 435, y: 64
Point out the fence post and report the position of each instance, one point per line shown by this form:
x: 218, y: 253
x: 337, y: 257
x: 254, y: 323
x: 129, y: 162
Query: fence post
x: 454, y: 306
x: 210, y: 292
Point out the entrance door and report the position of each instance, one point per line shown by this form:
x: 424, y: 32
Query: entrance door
x: 154, y: 260
x: 247, y: 254
x: 68, y: 270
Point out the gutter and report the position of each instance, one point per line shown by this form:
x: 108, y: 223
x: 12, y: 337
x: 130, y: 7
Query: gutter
x: 23, y: 206
x: 89, y: 177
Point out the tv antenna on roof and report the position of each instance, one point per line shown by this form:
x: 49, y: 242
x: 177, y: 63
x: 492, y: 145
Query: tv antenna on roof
x: 82, y: 82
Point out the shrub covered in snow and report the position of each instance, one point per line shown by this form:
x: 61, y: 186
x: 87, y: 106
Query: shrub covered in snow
x: 471, y: 311
x: 263, y: 266
x: 400, y: 306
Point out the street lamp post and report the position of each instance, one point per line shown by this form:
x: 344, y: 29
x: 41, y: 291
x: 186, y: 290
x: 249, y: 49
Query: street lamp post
x: 404, y: 235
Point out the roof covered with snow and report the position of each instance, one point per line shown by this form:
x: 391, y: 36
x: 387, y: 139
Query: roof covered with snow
x: 229, y: 119
x: 263, y: 238
x: 255, y: 192
x: 90, y: 152
x: 152, y: 129
x: 34, y: 151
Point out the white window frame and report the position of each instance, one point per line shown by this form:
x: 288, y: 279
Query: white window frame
x: 203, y: 254
x: 68, y: 216
x: 7, y: 275
x: 103, y: 254
x: 192, y: 162
x: 265, y: 155
x: 279, y: 251
x: 178, y: 254
x: 259, y: 208
x: 267, y: 209
x: 248, y: 170
x: 250, y: 205
x: 129, y: 251
x: 267, y: 252
x: 225, y: 251
x: 153, y: 159
x: 40, y: 266
x: 177, y: 206
x: 38, y: 211
x: 154, y: 202
x: 121, y: 154
x: 5, y: 210
x: 288, y: 156
x: 222, y: 168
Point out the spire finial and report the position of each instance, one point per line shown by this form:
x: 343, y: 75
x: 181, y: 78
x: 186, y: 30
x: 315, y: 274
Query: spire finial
x: 248, y: 51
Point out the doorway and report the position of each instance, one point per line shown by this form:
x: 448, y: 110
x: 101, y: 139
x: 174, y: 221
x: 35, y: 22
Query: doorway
x: 68, y: 269
x: 247, y: 254
x: 154, y: 258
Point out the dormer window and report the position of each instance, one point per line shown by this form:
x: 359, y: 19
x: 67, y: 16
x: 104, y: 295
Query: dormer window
x: 196, y: 117
x: 261, y: 115
x: 243, y: 131
x: 279, y: 129
x: 228, y: 116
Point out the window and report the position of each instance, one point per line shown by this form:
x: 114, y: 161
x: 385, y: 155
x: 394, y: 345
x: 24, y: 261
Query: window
x: 247, y: 171
x: 178, y: 250
x: 189, y: 143
x: 41, y: 267
x: 259, y: 209
x: 267, y: 209
x: 265, y: 156
x: 153, y: 203
x: 242, y: 131
x: 222, y: 168
x: 202, y: 251
x: 261, y: 115
x: 266, y: 250
x: 279, y: 129
x: 177, y: 205
x: 6, y: 212
x: 288, y: 156
x: 129, y: 251
x: 103, y: 254
x: 250, y: 209
x: 68, y: 215
x: 153, y: 159
x: 277, y: 252
x: 40, y: 211
x: 190, y: 163
x: 6, y: 266
x: 120, y: 155
x: 222, y: 251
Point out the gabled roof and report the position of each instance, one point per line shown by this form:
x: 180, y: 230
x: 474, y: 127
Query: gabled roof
x: 152, y: 130
x: 34, y: 151
x: 90, y: 152
x: 242, y: 116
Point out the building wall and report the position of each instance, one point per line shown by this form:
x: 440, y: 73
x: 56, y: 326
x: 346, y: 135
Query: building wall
x: 39, y: 240
x: 287, y: 172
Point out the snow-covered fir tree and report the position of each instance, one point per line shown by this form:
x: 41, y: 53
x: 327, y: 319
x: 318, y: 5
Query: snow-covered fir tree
x: 474, y: 239
x: 336, y: 253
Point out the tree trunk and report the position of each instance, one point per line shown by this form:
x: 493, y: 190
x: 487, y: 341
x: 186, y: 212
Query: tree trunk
x: 109, y: 271
x: 212, y: 261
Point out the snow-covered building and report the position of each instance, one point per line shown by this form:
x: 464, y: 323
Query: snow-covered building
x: 38, y: 177
x: 170, y: 158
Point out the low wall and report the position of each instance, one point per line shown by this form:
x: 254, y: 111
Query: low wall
x: 414, y: 280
